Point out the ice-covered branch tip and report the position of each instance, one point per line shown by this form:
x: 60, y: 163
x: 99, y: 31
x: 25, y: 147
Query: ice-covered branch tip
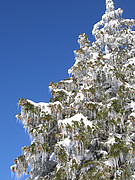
x: 109, y: 5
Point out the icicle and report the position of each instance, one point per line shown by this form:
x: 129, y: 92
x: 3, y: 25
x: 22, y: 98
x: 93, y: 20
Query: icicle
x: 77, y: 148
x: 114, y: 128
x: 94, y: 114
x: 82, y: 149
x: 42, y: 158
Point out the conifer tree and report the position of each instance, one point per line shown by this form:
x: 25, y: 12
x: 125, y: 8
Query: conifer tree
x: 87, y: 130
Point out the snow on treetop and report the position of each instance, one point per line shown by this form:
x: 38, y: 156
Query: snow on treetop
x: 109, y: 5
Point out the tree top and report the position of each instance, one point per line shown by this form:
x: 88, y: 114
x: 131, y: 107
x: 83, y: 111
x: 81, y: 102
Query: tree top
x: 109, y: 5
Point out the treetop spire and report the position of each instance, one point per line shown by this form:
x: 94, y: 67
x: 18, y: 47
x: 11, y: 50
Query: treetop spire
x: 109, y: 5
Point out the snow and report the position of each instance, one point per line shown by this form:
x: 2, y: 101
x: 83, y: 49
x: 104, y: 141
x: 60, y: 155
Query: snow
x: 56, y: 103
x: 118, y: 135
x: 87, y: 123
x: 79, y: 97
x: 102, y: 152
x: 67, y: 81
x: 58, y: 90
x: 133, y: 176
x: 95, y: 55
x: 107, y: 56
x: 132, y: 114
x: 111, y: 140
x: 66, y: 142
x: 42, y: 105
x: 76, y: 117
x: 108, y: 163
x: 129, y: 86
x: 132, y: 104
x: 70, y: 71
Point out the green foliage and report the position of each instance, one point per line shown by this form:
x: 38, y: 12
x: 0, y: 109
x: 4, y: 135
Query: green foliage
x: 60, y: 96
x: 112, y: 121
x: 46, y: 147
x: 62, y: 154
x: 117, y: 148
x: 116, y: 105
x: 21, y: 158
x: 92, y: 90
x: 133, y: 146
x: 29, y: 107
x: 59, y: 175
x: 98, y: 78
x: 74, y: 165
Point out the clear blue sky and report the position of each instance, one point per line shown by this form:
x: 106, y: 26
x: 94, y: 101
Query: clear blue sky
x: 37, y: 39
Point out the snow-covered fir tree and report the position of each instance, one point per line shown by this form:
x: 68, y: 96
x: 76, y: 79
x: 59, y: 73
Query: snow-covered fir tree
x: 87, y: 130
